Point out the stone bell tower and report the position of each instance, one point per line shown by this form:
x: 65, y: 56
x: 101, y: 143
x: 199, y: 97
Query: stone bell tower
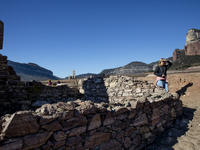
x: 1, y: 34
x: 74, y: 73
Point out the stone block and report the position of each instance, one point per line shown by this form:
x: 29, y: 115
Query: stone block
x: 46, y: 120
x: 72, y: 141
x: 155, y: 116
x: 129, y: 131
x: 127, y: 142
x: 136, y: 140
x: 53, y: 126
x: 20, y: 124
x: 35, y: 140
x: 119, y: 110
x: 97, y: 139
x: 74, y: 122
x: 77, y: 131
x: 120, y: 135
x: 95, y: 123
x: 12, y: 146
x: 118, y: 125
x: 58, y: 144
x: 141, y: 120
x: 173, y: 113
x: 111, y: 145
x: 121, y: 116
x: 109, y: 119
x: 59, y: 135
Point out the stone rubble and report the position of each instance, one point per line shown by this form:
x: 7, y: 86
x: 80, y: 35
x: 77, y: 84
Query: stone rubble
x: 82, y: 124
x: 117, y: 112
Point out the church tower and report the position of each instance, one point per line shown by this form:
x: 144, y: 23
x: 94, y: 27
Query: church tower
x: 74, y: 73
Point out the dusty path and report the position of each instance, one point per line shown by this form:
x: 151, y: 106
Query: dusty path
x: 184, y: 134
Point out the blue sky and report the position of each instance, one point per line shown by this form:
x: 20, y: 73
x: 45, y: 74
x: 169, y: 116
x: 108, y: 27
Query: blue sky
x: 92, y: 35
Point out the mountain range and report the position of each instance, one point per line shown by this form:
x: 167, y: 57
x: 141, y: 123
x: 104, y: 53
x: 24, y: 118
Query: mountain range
x: 32, y: 71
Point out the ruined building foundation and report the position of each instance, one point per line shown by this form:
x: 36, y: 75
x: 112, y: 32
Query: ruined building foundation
x: 117, y: 112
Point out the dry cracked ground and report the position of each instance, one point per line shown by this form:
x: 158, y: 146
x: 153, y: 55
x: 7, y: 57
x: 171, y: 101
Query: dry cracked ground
x: 184, y: 134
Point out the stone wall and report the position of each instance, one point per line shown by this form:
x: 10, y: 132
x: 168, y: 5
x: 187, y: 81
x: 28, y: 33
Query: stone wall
x: 1, y: 34
x: 17, y: 95
x: 118, y: 89
x: 21, y: 96
x: 86, y: 125
x: 117, y: 112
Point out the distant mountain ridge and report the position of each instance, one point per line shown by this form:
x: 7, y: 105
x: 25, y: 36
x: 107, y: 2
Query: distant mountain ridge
x: 32, y: 71
x: 133, y: 68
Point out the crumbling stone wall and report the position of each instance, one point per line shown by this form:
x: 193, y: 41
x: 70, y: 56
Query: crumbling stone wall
x: 86, y: 125
x: 118, y: 112
x: 118, y: 89
x: 1, y: 34
x: 17, y: 95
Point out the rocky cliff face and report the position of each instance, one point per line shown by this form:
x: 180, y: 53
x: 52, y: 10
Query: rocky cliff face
x: 1, y: 34
x: 193, y: 35
x: 192, y: 48
x: 192, y: 44
x: 176, y: 54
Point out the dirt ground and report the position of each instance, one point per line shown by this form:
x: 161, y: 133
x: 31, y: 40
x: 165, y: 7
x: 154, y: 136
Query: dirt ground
x: 186, y: 84
x: 187, y: 128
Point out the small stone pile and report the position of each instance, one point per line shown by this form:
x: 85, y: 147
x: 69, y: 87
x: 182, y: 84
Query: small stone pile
x: 86, y: 125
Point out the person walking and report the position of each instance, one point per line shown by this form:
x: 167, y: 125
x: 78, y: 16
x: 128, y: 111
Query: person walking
x: 161, y: 73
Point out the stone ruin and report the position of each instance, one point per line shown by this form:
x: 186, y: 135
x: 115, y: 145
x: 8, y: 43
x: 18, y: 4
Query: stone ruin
x: 1, y: 34
x: 117, y: 112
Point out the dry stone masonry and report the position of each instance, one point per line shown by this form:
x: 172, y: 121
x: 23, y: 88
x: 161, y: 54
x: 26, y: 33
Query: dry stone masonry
x: 123, y: 113
x: 1, y: 34
x: 119, y: 89
x: 116, y: 113
x: 17, y: 95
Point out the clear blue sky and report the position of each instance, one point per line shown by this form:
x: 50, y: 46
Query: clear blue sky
x: 92, y: 35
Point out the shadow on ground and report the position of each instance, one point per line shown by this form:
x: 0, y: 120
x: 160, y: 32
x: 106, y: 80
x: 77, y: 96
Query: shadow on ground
x: 184, y: 89
x: 169, y: 137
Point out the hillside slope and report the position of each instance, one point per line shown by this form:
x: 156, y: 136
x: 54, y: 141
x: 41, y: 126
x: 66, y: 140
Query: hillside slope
x: 32, y: 71
x: 185, y: 61
x: 133, y: 68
